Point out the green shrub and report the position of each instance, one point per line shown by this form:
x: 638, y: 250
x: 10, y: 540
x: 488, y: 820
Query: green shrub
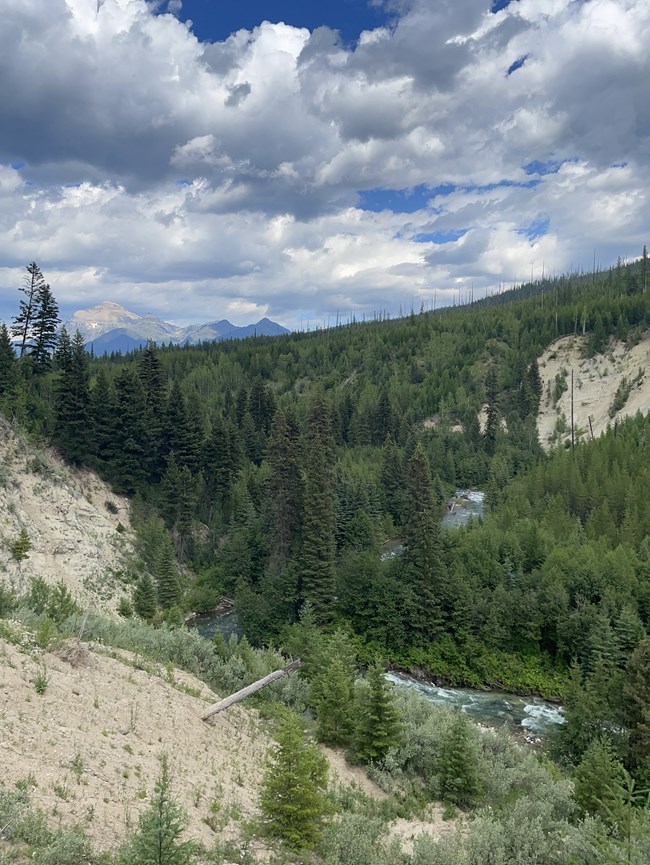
x: 41, y: 680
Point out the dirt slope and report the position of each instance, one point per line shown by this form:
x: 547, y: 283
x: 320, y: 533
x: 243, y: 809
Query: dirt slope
x: 89, y: 748
x: 73, y: 533
x: 595, y: 382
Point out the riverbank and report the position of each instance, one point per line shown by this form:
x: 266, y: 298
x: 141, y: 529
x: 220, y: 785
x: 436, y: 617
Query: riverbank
x: 446, y: 665
x: 528, y: 717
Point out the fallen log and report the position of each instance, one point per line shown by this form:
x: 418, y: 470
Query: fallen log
x: 251, y: 689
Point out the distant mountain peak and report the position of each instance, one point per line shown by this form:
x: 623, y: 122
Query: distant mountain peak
x: 107, y: 307
x: 109, y: 326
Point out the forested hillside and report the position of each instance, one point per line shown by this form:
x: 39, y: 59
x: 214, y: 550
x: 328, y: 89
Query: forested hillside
x: 280, y: 471
x: 275, y: 469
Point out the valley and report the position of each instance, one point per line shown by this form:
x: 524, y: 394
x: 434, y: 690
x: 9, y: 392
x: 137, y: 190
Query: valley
x: 399, y: 494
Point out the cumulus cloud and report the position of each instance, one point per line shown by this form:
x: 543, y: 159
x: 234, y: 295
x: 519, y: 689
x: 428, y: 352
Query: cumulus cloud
x: 196, y: 179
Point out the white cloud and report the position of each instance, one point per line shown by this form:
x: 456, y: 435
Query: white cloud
x: 172, y: 174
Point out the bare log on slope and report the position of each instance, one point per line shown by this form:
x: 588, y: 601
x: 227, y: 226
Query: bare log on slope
x: 251, y: 689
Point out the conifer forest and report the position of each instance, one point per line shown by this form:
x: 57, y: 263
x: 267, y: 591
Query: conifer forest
x: 277, y: 471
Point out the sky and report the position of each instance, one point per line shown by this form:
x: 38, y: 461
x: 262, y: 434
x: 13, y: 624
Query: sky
x: 198, y: 160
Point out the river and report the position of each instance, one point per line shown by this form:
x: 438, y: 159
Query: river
x: 464, y: 505
x: 207, y: 624
x: 492, y: 708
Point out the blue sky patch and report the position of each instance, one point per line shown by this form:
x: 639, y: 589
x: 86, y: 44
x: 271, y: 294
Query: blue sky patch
x: 215, y: 21
x: 551, y: 166
x: 516, y: 65
x: 516, y: 184
x: 536, y: 228
x: 402, y: 200
x: 498, y: 5
x: 440, y: 237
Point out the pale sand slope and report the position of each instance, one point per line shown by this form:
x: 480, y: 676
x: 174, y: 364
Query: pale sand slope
x: 400, y: 829
x: 595, y: 381
x: 93, y: 741
x: 74, y: 536
x: 89, y: 748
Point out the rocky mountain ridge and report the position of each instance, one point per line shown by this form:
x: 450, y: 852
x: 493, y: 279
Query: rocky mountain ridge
x: 109, y: 327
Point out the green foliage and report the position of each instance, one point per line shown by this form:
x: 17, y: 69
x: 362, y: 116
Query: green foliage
x: 596, y: 781
x: 25, y: 828
x: 458, y: 773
x: 621, y: 396
x: 54, y: 602
x: 333, y: 691
x: 157, y: 841
x: 378, y: 726
x: 8, y: 600
x: 125, y: 607
x: 279, y: 466
x: 167, y: 579
x: 636, y: 703
x: 292, y: 800
x: 7, y: 365
x: 21, y: 546
x: 317, y: 554
x: 144, y: 598
x: 40, y: 680
x: 46, y: 634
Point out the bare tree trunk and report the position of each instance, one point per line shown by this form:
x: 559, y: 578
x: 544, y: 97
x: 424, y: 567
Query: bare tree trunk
x: 251, y: 689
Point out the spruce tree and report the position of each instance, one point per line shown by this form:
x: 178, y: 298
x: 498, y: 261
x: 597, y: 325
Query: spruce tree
x: 221, y: 461
x: 319, y: 516
x: 45, y: 321
x: 7, y: 362
x: 636, y: 702
x: 186, y: 505
x: 131, y: 466
x: 166, y: 573
x: 21, y: 546
x: 333, y: 690
x: 261, y: 405
x: 458, y: 767
x: 144, y: 598
x: 23, y: 322
x: 378, y: 726
x: 157, y: 841
x: 293, y: 800
x: 285, y: 488
x: 385, y: 420
x: 73, y: 413
x: 534, y: 387
x: 153, y: 382
x: 169, y: 492
x: 424, y: 569
x: 593, y: 779
x: 181, y: 430
x: 493, y: 417
x: 103, y: 414
x: 393, y: 479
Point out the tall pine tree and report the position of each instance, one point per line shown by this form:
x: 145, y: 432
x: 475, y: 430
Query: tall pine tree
x: 23, y: 323
x: 45, y: 321
x: 424, y: 569
x: 7, y: 362
x: 73, y: 428
x: 285, y: 488
x: 293, y: 800
x: 378, y: 727
x: 319, y: 515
